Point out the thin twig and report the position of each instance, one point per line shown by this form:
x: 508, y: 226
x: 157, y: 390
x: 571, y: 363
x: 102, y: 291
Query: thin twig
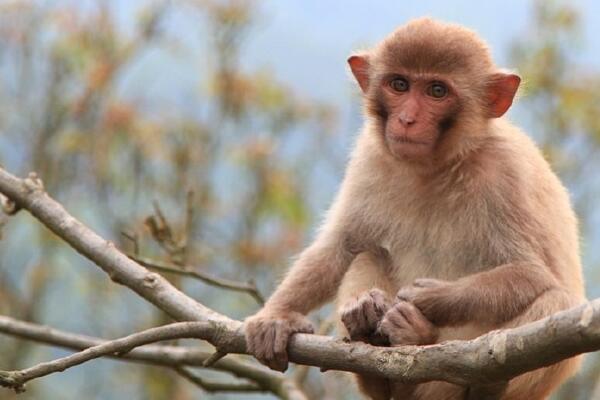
x: 160, y: 215
x: 179, y: 330
x: 189, y: 227
x: 216, y: 356
x: 192, y: 272
x: 211, y: 386
x: 160, y: 355
x: 133, y: 237
x: 161, y: 231
x: 8, y: 206
x: 121, y: 269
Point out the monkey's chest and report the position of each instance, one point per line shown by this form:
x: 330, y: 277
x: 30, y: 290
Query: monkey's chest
x: 444, y: 247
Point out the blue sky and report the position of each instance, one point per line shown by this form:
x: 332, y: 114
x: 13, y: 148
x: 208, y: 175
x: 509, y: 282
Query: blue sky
x: 307, y: 42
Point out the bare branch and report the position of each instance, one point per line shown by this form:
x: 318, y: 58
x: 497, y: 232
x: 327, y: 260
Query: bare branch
x: 166, y: 356
x: 494, y: 357
x: 211, y: 386
x: 189, y: 226
x: 192, y: 272
x: 29, y: 194
x: 161, y: 231
x: 325, y: 328
x: 8, y: 206
x: 216, y: 356
x: 133, y: 237
x: 179, y: 330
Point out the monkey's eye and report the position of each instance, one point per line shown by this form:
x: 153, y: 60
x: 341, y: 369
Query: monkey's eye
x: 399, y: 84
x: 437, y: 90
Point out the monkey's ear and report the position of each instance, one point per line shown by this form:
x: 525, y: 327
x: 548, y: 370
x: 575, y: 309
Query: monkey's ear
x: 502, y: 88
x: 359, y: 65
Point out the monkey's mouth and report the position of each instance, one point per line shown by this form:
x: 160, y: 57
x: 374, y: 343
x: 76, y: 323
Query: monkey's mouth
x: 406, y: 140
x: 405, y: 147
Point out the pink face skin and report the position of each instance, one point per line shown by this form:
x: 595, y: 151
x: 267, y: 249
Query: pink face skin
x: 418, y: 107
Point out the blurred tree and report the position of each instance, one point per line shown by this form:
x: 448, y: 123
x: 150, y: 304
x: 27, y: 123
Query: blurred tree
x: 561, y: 103
x: 215, y: 174
x: 227, y: 172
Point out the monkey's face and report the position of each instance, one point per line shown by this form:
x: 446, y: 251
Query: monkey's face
x: 415, y: 110
x: 431, y: 88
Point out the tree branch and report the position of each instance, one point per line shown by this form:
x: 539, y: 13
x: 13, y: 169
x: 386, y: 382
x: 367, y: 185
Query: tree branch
x: 192, y: 272
x: 179, y: 330
x: 494, y: 357
x: 165, y: 356
x: 29, y: 194
x: 211, y: 386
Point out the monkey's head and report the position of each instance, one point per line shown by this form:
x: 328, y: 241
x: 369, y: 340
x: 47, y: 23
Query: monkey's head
x: 431, y: 88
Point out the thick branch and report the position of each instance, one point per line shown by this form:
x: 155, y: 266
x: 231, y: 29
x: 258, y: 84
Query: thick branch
x: 494, y: 357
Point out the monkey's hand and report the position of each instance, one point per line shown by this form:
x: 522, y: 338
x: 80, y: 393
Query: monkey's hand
x: 362, y: 315
x: 404, y: 324
x: 267, y: 336
x: 433, y: 297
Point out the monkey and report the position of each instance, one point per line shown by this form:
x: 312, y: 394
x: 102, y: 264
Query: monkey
x: 448, y: 223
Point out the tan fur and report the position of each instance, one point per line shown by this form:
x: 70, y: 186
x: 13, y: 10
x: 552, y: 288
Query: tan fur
x: 484, y: 213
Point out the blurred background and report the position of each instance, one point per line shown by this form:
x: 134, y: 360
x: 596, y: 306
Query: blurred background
x: 214, y: 134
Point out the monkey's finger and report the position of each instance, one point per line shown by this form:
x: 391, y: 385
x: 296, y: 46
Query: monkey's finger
x: 279, y: 365
x: 280, y: 357
x: 345, y: 315
x: 396, y: 317
x: 413, y: 316
x: 380, y: 302
x: 354, y: 330
x: 363, y: 315
x: 424, y: 332
x: 409, y: 311
x: 378, y: 296
x: 391, y: 322
x: 371, y: 315
x: 303, y: 326
x: 406, y: 293
x: 349, y: 316
x: 378, y: 338
x: 256, y: 336
x: 356, y: 316
x: 267, y: 342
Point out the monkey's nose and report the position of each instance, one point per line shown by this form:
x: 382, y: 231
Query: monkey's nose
x: 407, y: 120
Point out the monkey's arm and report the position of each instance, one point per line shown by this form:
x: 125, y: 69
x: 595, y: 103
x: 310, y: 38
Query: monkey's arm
x: 312, y: 280
x: 494, y: 296
x: 315, y: 276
